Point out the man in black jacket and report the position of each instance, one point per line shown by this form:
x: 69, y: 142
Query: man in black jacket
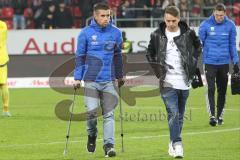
x: 173, y: 52
x: 64, y: 18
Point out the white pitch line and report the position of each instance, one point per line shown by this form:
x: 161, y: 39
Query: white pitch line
x: 188, y: 108
x: 189, y: 133
x: 226, y: 109
x: 134, y: 137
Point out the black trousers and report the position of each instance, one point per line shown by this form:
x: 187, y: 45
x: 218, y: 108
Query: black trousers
x: 216, y: 74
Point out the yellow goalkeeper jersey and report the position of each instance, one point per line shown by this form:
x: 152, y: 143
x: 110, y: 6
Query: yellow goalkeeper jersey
x: 3, y: 43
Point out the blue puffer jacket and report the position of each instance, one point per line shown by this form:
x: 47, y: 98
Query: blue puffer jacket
x: 98, y: 55
x: 219, y: 41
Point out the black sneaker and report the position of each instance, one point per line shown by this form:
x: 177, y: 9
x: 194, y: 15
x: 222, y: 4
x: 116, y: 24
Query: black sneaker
x: 220, y: 121
x: 213, y: 121
x: 91, y: 144
x: 109, y: 150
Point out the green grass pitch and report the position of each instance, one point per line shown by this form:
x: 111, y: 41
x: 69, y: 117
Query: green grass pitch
x: 35, y: 133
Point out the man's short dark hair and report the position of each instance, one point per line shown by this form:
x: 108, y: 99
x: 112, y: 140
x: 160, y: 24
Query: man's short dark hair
x: 220, y: 7
x: 100, y: 6
x: 172, y: 10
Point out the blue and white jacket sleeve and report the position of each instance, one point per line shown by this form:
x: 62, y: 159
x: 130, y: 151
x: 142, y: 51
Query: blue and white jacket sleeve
x: 80, y: 56
x: 232, y: 45
x: 118, y: 62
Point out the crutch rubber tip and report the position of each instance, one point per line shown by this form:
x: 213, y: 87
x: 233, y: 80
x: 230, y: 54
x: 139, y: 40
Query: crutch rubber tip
x: 121, y: 135
x: 67, y: 136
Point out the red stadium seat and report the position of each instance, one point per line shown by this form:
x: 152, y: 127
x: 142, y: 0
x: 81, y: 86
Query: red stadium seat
x: 9, y: 24
x: 236, y: 8
x: 28, y: 13
x: 76, y: 12
x: 237, y: 21
x: 7, y: 12
x: 77, y: 23
x: 114, y: 3
x: 30, y: 24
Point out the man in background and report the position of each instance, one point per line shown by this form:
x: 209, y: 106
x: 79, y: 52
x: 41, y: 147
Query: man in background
x: 127, y: 45
x: 218, y: 36
x: 3, y: 68
x: 64, y: 18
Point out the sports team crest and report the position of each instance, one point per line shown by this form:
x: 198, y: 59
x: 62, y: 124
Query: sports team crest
x: 94, y: 37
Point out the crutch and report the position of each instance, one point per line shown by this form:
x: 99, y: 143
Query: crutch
x: 69, y: 123
x: 121, y: 116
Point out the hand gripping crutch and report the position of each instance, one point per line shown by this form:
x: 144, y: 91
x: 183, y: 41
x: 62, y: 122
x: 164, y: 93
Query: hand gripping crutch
x: 69, y: 123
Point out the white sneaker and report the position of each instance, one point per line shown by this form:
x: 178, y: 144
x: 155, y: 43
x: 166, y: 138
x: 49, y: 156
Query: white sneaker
x: 178, y: 150
x: 6, y: 114
x: 170, y: 149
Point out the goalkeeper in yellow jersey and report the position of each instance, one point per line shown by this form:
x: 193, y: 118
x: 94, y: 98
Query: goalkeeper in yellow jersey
x: 3, y: 68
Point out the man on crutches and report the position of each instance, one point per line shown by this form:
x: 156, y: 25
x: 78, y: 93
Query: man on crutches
x: 98, y: 64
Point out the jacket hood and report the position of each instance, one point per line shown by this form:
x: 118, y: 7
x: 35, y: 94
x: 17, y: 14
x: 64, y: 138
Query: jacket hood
x: 183, y: 27
x: 212, y: 19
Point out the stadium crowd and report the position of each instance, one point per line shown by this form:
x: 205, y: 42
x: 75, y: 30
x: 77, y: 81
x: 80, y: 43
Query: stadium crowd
x: 49, y: 14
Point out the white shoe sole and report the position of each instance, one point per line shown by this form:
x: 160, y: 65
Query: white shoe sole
x: 6, y: 114
x: 111, y: 153
x: 178, y: 152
